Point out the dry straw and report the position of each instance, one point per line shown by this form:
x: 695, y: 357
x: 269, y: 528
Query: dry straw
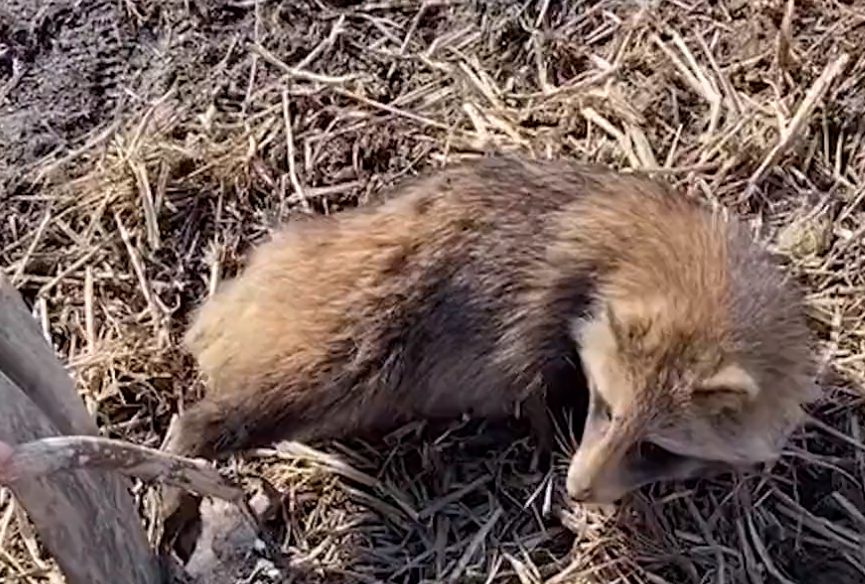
x: 309, y: 106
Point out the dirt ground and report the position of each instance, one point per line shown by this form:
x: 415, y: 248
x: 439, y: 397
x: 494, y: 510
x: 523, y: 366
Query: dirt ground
x: 146, y: 145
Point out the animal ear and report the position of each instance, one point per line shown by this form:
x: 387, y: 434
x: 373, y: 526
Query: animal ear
x: 730, y: 388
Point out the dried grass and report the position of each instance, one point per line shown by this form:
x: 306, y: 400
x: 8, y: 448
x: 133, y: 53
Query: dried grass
x: 755, y: 106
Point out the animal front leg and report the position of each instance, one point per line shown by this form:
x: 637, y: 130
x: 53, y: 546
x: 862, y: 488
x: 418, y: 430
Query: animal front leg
x: 543, y: 433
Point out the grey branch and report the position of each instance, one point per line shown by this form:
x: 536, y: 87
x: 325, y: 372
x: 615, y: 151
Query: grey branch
x: 46, y: 456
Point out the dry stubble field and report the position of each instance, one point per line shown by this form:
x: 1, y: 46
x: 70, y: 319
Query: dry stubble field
x: 146, y: 145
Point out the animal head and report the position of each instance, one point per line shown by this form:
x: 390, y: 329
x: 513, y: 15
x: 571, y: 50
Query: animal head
x: 692, y: 369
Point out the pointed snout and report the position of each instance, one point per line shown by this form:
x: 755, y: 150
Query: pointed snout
x: 595, y: 474
x: 594, y: 490
x: 580, y: 484
x: 601, y: 471
x: 580, y: 493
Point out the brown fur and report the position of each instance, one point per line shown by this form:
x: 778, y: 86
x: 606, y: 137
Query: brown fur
x: 697, y: 353
x: 458, y: 295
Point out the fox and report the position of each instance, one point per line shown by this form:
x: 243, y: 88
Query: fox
x: 459, y: 293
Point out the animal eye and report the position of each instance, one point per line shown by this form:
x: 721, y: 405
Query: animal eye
x: 653, y: 454
x: 601, y: 409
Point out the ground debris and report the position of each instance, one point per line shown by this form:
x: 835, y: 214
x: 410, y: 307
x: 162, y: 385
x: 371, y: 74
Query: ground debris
x: 139, y: 169
x: 229, y: 550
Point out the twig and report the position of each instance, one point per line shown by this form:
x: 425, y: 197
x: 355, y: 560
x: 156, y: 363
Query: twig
x: 74, y: 266
x: 289, y: 142
x: 37, y: 238
x: 472, y: 548
x: 800, y: 118
x: 392, y: 110
x: 147, y: 204
x: 327, y: 191
x: 93, y: 142
x: 89, y: 320
x: 296, y: 72
x: 323, y: 45
x: 43, y: 457
x: 138, y: 267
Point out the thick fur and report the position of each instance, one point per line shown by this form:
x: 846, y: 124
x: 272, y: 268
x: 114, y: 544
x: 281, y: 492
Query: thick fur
x: 459, y: 294
x: 697, y: 351
x: 420, y: 307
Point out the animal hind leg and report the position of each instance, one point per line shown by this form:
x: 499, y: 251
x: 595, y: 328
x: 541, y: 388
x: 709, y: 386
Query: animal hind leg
x: 231, y: 422
x: 197, y: 433
x: 217, y: 426
x: 206, y: 430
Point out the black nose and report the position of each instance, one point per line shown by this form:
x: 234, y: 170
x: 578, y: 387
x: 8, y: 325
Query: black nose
x: 580, y: 495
